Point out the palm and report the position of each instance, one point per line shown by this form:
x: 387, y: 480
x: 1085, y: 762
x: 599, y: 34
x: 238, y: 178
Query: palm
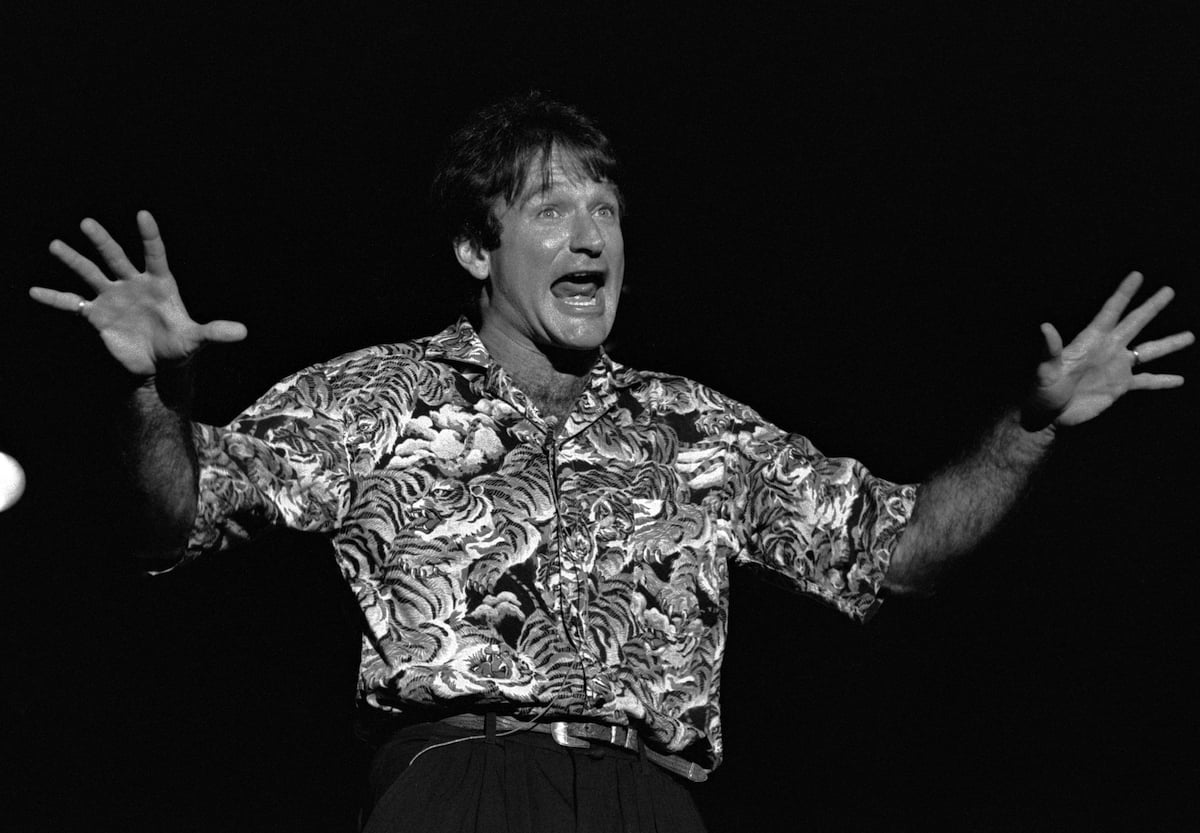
x: 140, y: 316
x: 1080, y: 381
x: 144, y: 324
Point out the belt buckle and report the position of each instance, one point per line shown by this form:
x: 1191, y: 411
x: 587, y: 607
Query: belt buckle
x: 626, y: 737
x: 558, y: 731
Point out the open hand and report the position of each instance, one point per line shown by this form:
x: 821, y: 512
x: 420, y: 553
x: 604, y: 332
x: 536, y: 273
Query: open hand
x: 1080, y: 381
x: 139, y: 315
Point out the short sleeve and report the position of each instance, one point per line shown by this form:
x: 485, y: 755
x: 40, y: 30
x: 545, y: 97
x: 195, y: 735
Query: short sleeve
x: 281, y: 463
x: 824, y: 525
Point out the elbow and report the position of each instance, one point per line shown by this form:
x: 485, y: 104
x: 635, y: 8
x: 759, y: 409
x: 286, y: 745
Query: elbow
x: 912, y: 573
x: 924, y: 588
x: 158, y: 555
x: 163, y: 535
x: 152, y: 552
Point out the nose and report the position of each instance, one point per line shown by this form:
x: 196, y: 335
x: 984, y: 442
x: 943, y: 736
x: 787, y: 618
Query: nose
x: 586, y: 235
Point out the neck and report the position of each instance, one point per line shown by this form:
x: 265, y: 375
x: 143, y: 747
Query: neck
x: 551, y: 377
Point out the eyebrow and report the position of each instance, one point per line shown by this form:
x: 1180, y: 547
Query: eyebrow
x: 555, y: 187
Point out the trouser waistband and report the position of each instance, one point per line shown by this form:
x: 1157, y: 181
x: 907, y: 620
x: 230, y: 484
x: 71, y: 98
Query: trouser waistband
x: 581, y: 735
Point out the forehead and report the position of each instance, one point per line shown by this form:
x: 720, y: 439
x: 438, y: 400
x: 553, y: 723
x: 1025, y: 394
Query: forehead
x: 560, y: 168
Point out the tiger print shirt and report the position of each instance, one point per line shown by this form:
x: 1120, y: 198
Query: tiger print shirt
x: 500, y: 564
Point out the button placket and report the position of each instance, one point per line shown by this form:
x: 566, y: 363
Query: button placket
x: 570, y: 582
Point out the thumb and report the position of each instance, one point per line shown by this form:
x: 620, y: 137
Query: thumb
x: 223, y: 331
x: 1054, y: 342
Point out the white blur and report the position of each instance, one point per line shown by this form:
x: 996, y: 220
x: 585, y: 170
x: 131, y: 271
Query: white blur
x: 12, y: 481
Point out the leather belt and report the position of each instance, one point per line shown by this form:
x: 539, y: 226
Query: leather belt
x: 581, y: 735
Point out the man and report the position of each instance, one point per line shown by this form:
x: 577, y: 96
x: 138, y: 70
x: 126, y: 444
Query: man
x: 539, y: 537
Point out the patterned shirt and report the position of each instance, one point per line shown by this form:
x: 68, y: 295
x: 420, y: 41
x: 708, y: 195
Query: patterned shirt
x: 504, y: 565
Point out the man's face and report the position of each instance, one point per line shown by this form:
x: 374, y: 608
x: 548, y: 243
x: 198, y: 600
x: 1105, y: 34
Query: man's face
x: 556, y: 277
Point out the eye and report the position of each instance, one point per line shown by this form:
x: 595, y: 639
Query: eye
x: 606, y: 211
x: 547, y: 212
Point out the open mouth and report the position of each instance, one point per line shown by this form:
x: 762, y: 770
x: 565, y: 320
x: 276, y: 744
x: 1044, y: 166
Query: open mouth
x: 578, y: 288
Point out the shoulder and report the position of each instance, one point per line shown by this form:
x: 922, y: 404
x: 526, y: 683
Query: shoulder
x: 363, y: 372
x: 370, y: 362
x: 668, y: 393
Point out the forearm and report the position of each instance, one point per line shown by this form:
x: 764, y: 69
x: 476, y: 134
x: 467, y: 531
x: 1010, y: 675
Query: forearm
x: 159, y: 458
x: 961, y: 505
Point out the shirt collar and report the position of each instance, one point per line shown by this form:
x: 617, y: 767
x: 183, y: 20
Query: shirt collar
x: 461, y: 344
x: 458, y: 343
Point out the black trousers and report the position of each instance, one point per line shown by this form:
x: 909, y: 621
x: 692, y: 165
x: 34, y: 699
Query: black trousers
x: 521, y: 783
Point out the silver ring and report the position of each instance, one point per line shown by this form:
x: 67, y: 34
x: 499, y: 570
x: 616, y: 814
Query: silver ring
x: 81, y: 307
x: 1136, y: 358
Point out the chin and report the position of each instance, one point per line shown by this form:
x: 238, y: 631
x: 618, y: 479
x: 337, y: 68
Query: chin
x: 584, y: 343
x: 582, y: 336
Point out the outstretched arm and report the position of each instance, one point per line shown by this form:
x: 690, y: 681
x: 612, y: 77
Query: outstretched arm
x: 960, y: 505
x: 141, y: 319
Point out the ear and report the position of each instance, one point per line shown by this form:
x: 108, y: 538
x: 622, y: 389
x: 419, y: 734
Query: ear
x: 473, y: 258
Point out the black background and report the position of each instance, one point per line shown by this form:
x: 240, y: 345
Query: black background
x: 852, y: 216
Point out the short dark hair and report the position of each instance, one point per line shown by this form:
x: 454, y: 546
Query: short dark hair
x: 491, y: 155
